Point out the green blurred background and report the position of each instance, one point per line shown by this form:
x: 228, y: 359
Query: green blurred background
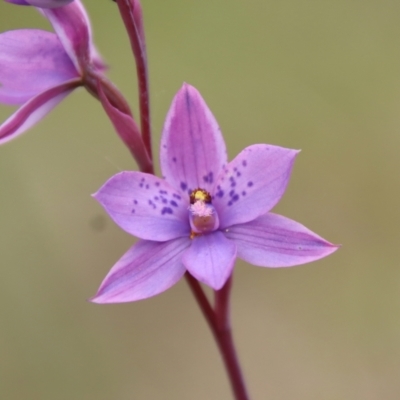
x: 320, y: 76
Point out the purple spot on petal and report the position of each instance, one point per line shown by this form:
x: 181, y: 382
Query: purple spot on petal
x: 208, y: 178
x: 133, y: 211
x: 166, y: 210
x: 250, y: 184
x: 174, y: 159
x: 220, y: 193
x: 244, y: 193
x: 157, y: 183
x: 244, y: 163
x: 176, y: 196
x: 147, y: 186
x: 165, y: 201
x: 238, y: 174
x: 230, y: 203
x: 134, y: 201
x: 173, y: 203
x: 235, y: 197
x: 156, y: 198
x: 183, y: 186
x: 232, y: 193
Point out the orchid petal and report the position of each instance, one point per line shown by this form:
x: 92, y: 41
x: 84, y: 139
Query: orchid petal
x: 252, y: 183
x: 276, y: 241
x: 145, y: 206
x: 147, y: 269
x: 192, y: 147
x: 210, y: 259
x: 41, y: 3
x: 31, y: 62
x: 34, y: 110
x: 72, y: 25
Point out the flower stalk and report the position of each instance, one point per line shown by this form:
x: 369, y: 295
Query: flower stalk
x: 131, y: 13
x: 218, y: 320
x: 225, y: 341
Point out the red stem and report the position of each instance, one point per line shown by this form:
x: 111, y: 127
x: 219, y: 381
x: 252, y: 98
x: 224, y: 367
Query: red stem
x: 202, y: 300
x: 223, y: 335
x: 131, y: 13
x: 219, y: 323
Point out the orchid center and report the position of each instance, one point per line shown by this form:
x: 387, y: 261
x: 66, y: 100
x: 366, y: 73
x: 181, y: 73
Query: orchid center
x: 202, y: 215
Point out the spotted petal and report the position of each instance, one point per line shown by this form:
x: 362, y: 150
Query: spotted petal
x: 192, y: 147
x: 145, y: 206
x: 147, y: 269
x: 31, y: 62
x: 210, y: 259
x: 275, y: 241
x: 252, y: 183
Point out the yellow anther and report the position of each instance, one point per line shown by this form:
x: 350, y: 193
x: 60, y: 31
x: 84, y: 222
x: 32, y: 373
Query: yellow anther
x: 200, y: 195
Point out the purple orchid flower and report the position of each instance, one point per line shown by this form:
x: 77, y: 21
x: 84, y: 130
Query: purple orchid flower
x: 205, y: 213
x: 41, y: 3
x: 38, y: 68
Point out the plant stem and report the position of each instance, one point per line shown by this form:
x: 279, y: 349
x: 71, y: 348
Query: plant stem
x: 202, y: 300
x: 219, y: 322
x: 224, y: 338
x: 131, y: 13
